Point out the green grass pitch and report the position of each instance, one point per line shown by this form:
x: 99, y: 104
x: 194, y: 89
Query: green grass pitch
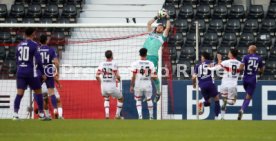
x: 136, y: 130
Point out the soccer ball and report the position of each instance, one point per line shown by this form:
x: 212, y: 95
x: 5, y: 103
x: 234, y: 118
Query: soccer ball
x: 162, y: 13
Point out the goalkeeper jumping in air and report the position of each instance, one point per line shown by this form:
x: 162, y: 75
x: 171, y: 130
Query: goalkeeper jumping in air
x: 154, y: 41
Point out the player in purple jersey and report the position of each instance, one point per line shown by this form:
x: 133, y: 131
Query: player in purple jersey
x: 205, y: 82
x: 251, y: 64
x: 50, y: 63
x: 27, y: 59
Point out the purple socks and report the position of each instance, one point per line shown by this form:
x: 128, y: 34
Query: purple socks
x: 217, y: 108
x: 17, y: 101
x: 245, y: 104
x: 39, y: 100
x: 54, y: 101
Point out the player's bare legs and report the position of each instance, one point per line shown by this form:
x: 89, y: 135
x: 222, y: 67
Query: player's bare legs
x: 119, y: 108
x: 17, y: 101
x: 244, y: 105
x: 106, y: 107
x: 53, y: 101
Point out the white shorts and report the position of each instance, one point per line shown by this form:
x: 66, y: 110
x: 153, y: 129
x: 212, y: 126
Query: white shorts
x: 139, y: 92
x: 45, y: 91
x: 111, y: 91
x: 228, y: 91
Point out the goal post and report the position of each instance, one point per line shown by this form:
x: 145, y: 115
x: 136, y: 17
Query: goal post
x: 80, y: 48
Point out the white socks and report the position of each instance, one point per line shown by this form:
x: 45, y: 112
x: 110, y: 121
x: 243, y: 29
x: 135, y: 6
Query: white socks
x: 60, y: 112
x: 106, y: 107
x: 139, y: 108
x: 119, y: 108
x: 150, y: 107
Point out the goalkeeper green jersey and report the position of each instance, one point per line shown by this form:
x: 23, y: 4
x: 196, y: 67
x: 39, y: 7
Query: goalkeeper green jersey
x: 153, y: 43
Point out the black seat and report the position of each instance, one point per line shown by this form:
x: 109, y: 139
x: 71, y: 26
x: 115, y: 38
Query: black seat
x: 216, y: 26
x: 5, y: 37
x: 243, y: 50
x: 264, y: 39
x: 272, y: 2
x: 28, y: 20
x: 201, y: 26
x: 191, y: 39
x: 271, y: 13
x: 171, y: 10
x: 233, y: 25
x: 22, y: 1
x: 271, y: 66
x: 70, y: 11
x: 251, y: 26
x: 262, y: 52
x: 186, y: 12
x: 187, y: 53
x: 11, y: 53
x: 256, y: 12
x: 220, y: 12
x: 2, y: 53
x: 237, y: 12
x: 211, y: 39
x: 194, y: 3
x: 206, y: 49
x: 181, y: 25
x: 46, y: 20
x: 229, y: 40
x: 11, y: 20
x: 228, y: 3
x: 247, y: 39
x: 177, y: 39
x: 3, y: 11
x: 173, y: 54
x: 51, y: 11
x: 223, y: 51
x: 17, y: 11
x: 268, y: 26
x: 272, y: 55
x: 211, y: 3
x: 203, y: 12
x: 59, y: 2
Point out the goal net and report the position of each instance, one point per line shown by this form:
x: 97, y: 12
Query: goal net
x: 80, y: 48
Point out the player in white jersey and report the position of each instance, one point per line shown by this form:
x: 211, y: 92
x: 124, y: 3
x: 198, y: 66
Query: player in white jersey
x: 110, y: 76
x: 230, y: 78
x: 141, y: 83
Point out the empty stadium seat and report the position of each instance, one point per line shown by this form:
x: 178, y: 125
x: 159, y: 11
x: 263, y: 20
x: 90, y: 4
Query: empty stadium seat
x: 228, y: 3
x: 271, y: 13
x: 5, y: 37
x: 186, y: 12
x: 223, y: 51
x: 262, y: 52
x: 22, y: 1
x: 270, y: 66
x: 187, y: 53
x: 59, y: 2
x: 177, y: 39
x: 173, y: 53
x: 220, y: 12
x: 70, y: 11
x: 11, y: 53
x: 229, y: 40
x: 203, y: 12
x: 181, y: 25
x: 233, y: 25
x: 251, y: 26
x: 237, y: 12
x: 211, y: 39
x: 34, y: 11
x: 191, y: 39
x: 11, y: 20
x: 211, y: 3
x: 243, y: 50
x: 216, y: 26
x: 272, y: 2
x: 272, y: 55
x: 46, y: 20
x: 256, y: 12
x: 206, y: 49
x: 171, y: 10
x: 3, y: 12
x: 247, y: 39
x: 201, y: 26
x: 268, y: 26
x: 264, y: 39
x: 28, y: 20
x: 17, y: 11
x: 194, y: 3
x: 51, y: 11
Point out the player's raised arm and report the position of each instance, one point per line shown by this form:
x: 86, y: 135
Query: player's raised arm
x: 150, y: 22
x: 168, y: 26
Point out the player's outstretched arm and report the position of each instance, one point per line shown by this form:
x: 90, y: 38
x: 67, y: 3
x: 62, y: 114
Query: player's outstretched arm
x: 168, y: 26
x: 150, y: 22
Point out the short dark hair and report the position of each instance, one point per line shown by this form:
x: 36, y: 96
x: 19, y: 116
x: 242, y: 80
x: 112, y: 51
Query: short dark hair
x: 29, y: 31
x: 143, y: 52
x: 108, y: 54
x: 234, y: 52
x: 43, y: 39
x: 206, y: 55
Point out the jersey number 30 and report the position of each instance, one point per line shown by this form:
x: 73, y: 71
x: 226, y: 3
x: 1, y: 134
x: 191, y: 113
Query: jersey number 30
x: 23, y: 53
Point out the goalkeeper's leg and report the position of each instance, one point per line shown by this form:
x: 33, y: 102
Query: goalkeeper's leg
x: 154, y: 60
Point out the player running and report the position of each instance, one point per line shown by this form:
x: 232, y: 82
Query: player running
x: 205, y: 82
x: 154, y: 41
x: 50, y: 62
x: 110, y: 74
x: 229, y: 80
x: 27, y: 58
x: 143, y: 72
x: 251, y: 64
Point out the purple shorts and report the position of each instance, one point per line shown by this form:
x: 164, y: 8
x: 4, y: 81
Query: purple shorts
x: 50, y: 82
x: 249, y: 87
x: 208, y: 90
x: 24, y: 82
